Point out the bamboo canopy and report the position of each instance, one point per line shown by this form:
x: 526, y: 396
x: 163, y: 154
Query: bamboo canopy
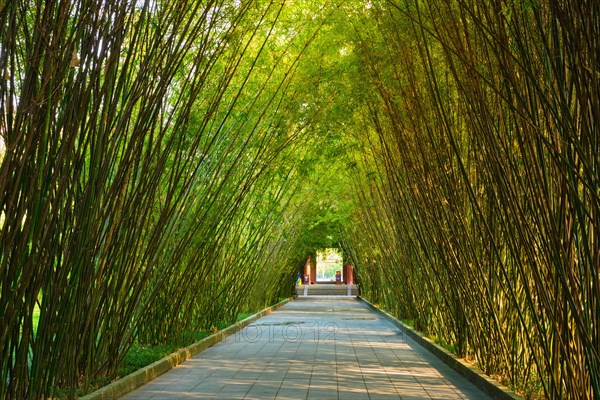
x: 166, y: 166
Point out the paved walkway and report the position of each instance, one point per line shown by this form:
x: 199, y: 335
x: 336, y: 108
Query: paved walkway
x: 313, y: 349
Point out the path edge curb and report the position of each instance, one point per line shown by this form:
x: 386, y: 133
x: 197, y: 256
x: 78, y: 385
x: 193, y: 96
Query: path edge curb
x: 474, y: 375
x: 144, y: 375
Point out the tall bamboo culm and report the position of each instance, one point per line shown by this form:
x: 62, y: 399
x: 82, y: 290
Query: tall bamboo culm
x: 145, y: 142
x: 481, y: 183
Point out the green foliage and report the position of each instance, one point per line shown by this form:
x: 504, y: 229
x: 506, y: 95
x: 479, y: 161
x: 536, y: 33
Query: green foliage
x: 155, y: 189
x: 168, y: 166
x: 473, y: 155
x: 141, y: 356
x: 242, y: 316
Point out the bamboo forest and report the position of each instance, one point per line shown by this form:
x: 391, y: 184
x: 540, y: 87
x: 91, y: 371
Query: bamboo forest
x: 168, y: 166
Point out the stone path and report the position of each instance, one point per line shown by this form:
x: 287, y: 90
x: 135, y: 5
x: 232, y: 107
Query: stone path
x: 313, y: 349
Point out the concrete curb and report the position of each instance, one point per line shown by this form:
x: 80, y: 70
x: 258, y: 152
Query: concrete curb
x: 472, y: 374
x: 144, y: 375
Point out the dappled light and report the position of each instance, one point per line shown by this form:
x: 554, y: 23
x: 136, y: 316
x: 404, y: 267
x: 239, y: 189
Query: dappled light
x: 364, y: 360
x: 169, y: 167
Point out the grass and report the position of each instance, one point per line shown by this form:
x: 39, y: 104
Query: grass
x: 140, y: 356
x: 445, y: 345
x: 243, y: 316
x: 409, y: 322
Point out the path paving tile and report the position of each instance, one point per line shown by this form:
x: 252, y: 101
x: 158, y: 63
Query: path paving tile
x: 325, y: 348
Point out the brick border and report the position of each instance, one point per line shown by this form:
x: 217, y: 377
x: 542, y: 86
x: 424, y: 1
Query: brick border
x: 472, y: 374
x: 144, y: 375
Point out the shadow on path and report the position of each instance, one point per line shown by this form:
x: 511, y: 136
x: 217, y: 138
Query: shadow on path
x: 313, y: 349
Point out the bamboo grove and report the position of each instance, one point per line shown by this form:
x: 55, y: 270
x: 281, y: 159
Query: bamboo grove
x: 480, y: 183
x: 148, y: 179
x: 168, y: 165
